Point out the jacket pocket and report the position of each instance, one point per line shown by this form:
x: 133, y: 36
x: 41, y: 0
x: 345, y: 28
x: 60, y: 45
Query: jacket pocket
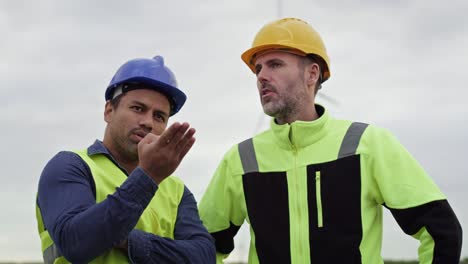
x: 318, y: 197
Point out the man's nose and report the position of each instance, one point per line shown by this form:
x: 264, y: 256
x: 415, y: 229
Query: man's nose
x: 262, y: 82
x: 263, y: 76
x: 146, y: 121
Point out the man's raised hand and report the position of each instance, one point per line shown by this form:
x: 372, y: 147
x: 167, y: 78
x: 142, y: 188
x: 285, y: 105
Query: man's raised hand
x: 159, y: 156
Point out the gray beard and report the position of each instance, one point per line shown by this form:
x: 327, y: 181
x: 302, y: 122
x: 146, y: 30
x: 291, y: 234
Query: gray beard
x: 281, y: 110
x: 285, y: 108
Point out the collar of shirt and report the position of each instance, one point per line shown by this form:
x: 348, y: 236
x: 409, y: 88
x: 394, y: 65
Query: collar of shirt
x: 98, y: 148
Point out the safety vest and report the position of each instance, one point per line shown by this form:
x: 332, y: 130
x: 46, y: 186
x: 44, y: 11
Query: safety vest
x: 158, y: 218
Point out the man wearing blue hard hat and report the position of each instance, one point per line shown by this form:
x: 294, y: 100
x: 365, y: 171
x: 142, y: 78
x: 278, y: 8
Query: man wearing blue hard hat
x: 116, y: 201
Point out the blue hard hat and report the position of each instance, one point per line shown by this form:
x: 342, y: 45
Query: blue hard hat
x: 153, y: 74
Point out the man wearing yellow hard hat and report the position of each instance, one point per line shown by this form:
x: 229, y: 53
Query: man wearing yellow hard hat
x: 312, y: 187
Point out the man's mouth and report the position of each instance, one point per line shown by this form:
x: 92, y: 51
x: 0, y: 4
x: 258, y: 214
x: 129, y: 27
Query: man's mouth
x: 266, y: 93
x: 139, y: 134
x: 267, y: 90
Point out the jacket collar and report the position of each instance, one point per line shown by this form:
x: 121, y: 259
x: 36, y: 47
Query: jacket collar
x: 300, y: 134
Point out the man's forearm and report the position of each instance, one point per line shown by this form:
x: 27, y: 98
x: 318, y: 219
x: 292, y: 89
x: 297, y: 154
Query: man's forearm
x: 80, y: 228
x: 438, y: 220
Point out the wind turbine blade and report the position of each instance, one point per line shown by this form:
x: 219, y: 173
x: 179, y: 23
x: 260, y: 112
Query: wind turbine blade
x: 328, y: 99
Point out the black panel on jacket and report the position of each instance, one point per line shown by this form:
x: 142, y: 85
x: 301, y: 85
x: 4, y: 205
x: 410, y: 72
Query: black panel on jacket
x: 339, y: 239
x: 266, y: 197
x: 442, y: 224
x: 224, y: 239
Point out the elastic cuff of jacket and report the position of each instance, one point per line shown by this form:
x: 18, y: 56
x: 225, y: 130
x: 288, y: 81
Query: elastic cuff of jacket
x: 140, y: 186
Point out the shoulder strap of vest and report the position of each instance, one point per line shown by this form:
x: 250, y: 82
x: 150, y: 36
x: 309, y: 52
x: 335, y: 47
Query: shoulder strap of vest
x: 351, y: 139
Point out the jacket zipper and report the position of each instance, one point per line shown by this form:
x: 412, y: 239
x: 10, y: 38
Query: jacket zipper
x: 298, y: 207
x: 298, y: 243
x: 318, y: 197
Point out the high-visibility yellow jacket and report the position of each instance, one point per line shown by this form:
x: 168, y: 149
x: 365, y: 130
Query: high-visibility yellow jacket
x: 313, y: 192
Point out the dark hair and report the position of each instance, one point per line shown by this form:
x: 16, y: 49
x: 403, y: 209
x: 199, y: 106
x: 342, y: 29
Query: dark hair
x: 116, y: 101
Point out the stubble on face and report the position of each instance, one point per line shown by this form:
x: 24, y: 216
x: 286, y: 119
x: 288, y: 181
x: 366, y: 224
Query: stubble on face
x: 124, y: 146
x: 289, y: 99
x: 279, y: 106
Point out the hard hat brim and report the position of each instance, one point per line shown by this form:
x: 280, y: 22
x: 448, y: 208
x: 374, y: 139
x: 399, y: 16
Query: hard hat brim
x: 250, y: 55
x: 176, y: 97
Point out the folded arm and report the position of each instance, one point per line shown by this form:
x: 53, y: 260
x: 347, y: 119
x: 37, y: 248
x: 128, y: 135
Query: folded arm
x: 81, y: 228
x: 191, y: 244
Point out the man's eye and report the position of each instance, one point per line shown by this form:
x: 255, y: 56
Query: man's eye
x: 257, y: 70
x: 275, y: 65
x: 137, y: 108
x: 160, y: 118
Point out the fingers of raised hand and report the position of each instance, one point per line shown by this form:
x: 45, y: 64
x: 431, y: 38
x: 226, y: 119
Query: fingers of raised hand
x: 176, y: 141
x: 186, y: 140
x: 167, y: 136
x: 168, y: 150
x: 146, y: 141
x: 187, y: 147
x: 179, y: 133
x: 149, y: 138
x: 176, y: 136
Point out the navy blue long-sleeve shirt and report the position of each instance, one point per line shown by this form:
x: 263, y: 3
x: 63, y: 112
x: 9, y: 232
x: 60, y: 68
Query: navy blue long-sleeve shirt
x: 82, y: 229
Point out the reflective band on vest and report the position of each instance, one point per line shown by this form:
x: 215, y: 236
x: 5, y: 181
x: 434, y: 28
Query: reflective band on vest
x: 50, y: 254
x: 348, y: 147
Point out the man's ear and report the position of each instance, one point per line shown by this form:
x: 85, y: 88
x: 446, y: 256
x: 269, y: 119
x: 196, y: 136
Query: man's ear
x: 108, y: 111
x: 313, y: 74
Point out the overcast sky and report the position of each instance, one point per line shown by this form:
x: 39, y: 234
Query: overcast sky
x: 397, y: 64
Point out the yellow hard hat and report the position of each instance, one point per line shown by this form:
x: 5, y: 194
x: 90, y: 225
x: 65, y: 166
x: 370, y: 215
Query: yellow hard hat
x: 290, y: 35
